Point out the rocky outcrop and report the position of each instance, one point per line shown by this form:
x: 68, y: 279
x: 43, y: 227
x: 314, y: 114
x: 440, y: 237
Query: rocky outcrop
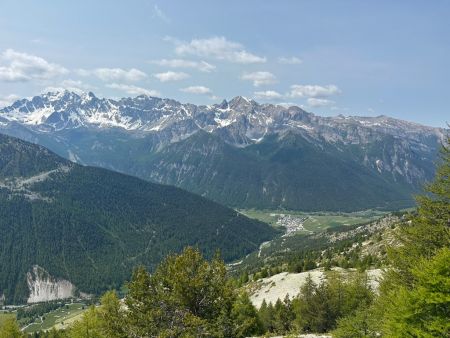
x: 43, y: 287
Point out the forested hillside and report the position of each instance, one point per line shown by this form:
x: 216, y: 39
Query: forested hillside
x: 188, y: 296
x: 282, y: 171
x: 92, y: 226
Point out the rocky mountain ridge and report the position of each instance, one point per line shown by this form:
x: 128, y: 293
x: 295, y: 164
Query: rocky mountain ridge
x: 212, y: 149
x: 240, y: 121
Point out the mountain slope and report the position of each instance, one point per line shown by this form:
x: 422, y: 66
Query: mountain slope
x: 286, y: 157
x: 282, y: 171
x: 92, y: 226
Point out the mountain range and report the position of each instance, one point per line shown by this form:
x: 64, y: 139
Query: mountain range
x: 64, y: 226
x: 240, y: 153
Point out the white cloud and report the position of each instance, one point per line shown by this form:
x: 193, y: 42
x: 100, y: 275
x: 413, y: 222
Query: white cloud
x: 133, y: 90
x: 114, y: 74
x: 196, y: 90
x: 83, y: 72
x: 171, y: 76
x: 202, y: 66
x: 290, y: 104
x: 314, y: 102
x: 17, y: 66
x: 268, y: 95
x: 160, y: 14
x: 8, y: 100
x: 75, y: 86
x: 290, y: 60
x: 313, y: 91
x: 259, y: 78
x: 219, y: 48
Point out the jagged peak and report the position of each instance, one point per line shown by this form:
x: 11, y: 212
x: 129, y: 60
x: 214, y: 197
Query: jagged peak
x: 242, y: 102
x: 59, y: 95
x: 223, y: 105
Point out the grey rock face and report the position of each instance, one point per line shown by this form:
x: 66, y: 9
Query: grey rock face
x: 142, y: 130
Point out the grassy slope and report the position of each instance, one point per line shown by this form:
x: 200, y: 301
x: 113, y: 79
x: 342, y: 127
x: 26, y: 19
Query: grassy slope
x: 59, y: 318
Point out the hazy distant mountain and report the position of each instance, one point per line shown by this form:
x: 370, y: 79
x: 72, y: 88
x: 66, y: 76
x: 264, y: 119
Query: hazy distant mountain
x: 90, y: 226
x: 240, y: 153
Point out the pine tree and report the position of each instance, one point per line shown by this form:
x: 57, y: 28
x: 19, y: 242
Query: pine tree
x: 283, y: 316
x: 10, y: 329
x: 422, y: 311
x: 88, y: 327
x: 245, y: 317
x: 302, y: 305
x: 185, y: 295
x: 424, y: 238
x: 265, y: 317
x: 357, y: 325
x: 112, y: 316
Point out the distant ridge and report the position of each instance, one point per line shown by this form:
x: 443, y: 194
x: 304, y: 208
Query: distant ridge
x: 239, y: 152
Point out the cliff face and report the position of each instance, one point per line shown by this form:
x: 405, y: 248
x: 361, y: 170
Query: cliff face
x: 44, y: 287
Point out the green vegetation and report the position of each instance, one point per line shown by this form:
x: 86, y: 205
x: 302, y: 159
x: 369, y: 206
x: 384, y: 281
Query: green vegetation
x: 29, y: 314
x: 62, y: 317
x: 4, y: 316
x: 414, y: 296
x: 92, y: 226
x: 10, y: 329
x: 190, y: 296
x: 318, y: 307
x: 296, y: 174
x: 321, y: 222
x: 341, y: 246
x: 187, y: 296
x: 316, y: 221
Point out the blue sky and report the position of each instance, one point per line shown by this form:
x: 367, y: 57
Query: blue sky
x: 330, y: 57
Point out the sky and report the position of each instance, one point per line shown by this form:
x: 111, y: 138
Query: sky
x: 329, y: 57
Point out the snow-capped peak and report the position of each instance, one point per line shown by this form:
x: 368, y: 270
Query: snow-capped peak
x: 239, y: 120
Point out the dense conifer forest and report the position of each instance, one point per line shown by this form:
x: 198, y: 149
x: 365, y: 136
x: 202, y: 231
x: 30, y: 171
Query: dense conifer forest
x: 91, y: 226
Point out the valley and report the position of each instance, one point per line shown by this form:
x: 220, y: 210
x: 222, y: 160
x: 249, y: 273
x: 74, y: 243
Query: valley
x: 89, y: 219
x: 297, y: 221
x: 224, y: 169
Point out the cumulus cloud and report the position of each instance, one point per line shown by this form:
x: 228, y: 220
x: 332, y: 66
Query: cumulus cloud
x: 313, y: 91
x: 8, y: 100
x: 75, y: 86
x: 219, y: 48
x: 290, y: 104
x: 314, y: 102
x: 114, y: 74
x: 171, y: 76
x: 133, y: 90
x: 17, y: 67
x: 202, y: 66
x: 268, y: 95
x: 290, y: 60
x: 259, y: 78
x: 196, y: 90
